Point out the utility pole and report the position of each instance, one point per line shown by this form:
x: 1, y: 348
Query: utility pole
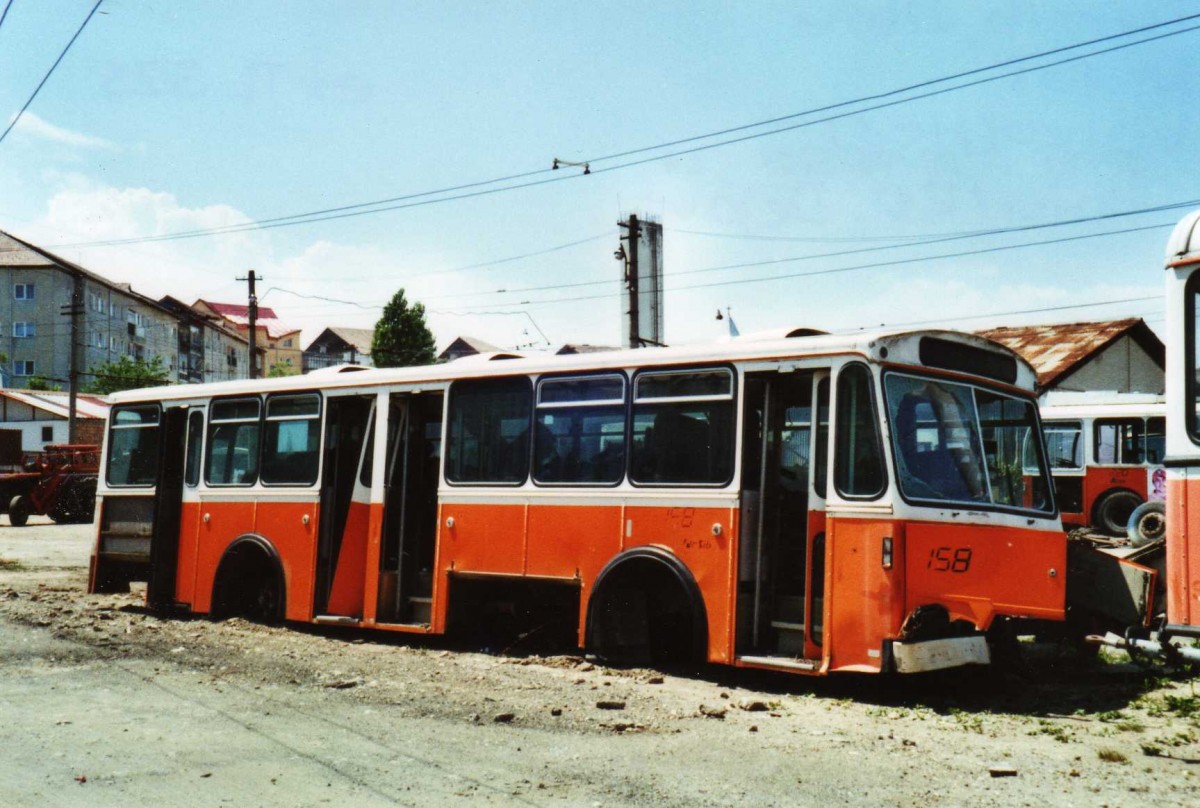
x: 252, y: 316
x: 74, y: 310
x: 631, y: 279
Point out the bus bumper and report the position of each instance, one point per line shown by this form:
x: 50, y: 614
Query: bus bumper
x: 932, y: 655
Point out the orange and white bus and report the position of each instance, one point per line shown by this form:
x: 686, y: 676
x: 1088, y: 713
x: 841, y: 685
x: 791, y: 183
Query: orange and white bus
x: 1105, y: 452
x: 1183, y: 429
x: 808, y: 503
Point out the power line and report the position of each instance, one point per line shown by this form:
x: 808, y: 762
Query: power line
x: 858, y: 267
x: 1019, y: 311
x: 483, y: 264
x: 49, y: 72
x: 478, y: 188
x: 4, y: 14
x: 1191, y: 203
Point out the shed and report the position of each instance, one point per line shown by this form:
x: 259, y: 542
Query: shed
x: 1125, y: 356
x: 42, y: 417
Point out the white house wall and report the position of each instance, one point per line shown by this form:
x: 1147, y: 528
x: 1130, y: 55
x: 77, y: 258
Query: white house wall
x: 1124, y: 367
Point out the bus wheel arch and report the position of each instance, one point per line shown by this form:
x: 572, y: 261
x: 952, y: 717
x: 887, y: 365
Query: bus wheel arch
x: 646, y: 607
x: 250, y: 581
x: 1112, y: 510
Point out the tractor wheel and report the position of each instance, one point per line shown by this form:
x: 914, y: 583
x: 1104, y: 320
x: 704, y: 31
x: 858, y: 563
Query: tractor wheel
x: 18, y: 511
x: 1113, y: 510
x: 1147, y: 523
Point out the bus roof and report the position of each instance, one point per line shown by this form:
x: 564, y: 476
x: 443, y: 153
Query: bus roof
x: 1101, y: 404
x: 1183, y: 247
x: 881, y: 346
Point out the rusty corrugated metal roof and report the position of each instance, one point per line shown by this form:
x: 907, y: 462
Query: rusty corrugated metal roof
x: 1057, y: 350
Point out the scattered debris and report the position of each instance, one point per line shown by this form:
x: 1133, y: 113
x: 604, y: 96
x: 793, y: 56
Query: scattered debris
x: 610, y: 705
x: 712, y: 712
x: 753, y: 705
x: 504, y: 718
x: 1002, y: 771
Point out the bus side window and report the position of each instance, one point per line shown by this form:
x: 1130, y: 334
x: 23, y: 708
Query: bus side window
x: 682, y: 427
x: 195, y: 441
x: 1155, y: 440
x: 292, y: 438
x: 858, y: 457
x: 488, y: 433
x: 233, y: 433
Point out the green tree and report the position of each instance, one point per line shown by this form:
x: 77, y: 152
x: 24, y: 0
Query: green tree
x: 279, y: 370
x: 42, y: 383
x: 126, y: 374
x: 401, y: 336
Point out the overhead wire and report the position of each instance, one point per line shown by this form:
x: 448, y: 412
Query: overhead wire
x: 478, y: 189
x: 49, y: 72
x: 1190, y: 203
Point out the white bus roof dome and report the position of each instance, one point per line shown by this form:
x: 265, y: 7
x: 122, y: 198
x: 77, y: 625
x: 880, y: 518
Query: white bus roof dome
x: 1185, y: 239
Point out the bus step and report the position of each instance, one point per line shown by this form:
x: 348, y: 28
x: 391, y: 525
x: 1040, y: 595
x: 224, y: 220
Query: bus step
x: 335, y: 620
x: 783, y: 625
x: 785, y: 663
x: 420, y: 609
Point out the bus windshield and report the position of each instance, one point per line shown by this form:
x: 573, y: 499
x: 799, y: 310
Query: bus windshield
x: 956, y: 442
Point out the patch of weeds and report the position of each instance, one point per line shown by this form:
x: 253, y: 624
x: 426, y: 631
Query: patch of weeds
x: 1132, y: 725
x: 1109, y: 755
x: 1110, y: 716
x: 1185, y: 738
x: 1182, y: 706
x: 1055, y: 731
x: 1152, y: 750
x: 971, y: 722
x: 11, y: 565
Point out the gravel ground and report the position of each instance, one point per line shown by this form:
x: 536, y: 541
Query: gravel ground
x: 104, y: 703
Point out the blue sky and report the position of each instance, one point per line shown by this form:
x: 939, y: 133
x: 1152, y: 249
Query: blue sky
x: 169, y: 117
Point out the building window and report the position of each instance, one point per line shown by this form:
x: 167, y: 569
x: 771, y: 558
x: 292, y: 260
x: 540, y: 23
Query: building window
x: 23, y: 367
x: 47, y: 434
x: 24, y: 330
x: 287, y: 343
x: 23, y: 291
x: 112, y: 344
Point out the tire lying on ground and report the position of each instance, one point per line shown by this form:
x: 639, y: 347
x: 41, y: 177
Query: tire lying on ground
x: 1112, y: 512
x: 18, y: 511
x: 1147, y: 523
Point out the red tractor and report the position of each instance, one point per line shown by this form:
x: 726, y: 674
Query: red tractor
x: 59, y: 482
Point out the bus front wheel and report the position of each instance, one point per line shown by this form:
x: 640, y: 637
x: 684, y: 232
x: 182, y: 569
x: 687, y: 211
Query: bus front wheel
x: 1112, y: 512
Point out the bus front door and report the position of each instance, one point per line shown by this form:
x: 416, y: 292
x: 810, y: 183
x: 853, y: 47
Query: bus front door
x: 412, y: 468
x: 782, y: 511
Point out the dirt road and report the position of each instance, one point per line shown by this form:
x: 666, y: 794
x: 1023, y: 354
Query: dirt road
x: 103, y: 703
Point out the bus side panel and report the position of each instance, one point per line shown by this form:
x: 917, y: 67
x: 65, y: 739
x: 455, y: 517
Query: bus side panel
x: 484, y: 538
x: 566, y: 541
x: 283, y: 524
x: 980, y: 572
x: 865, y: 600
x: 185, y: 576
x: 1183, y: 561
x: 1099, y: 480
x: 225, y: 522
x: 349, y: 583
x: 688, y: 532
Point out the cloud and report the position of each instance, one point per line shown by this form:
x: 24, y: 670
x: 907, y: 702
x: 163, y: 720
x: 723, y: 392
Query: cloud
x: 36, y: 126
